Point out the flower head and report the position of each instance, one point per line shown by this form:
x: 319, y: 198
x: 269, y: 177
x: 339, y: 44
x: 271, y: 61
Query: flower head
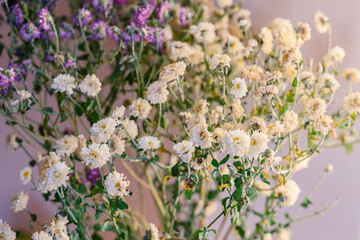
x: 64, y: 83
x: 25, y: 175
x: 149, y: 143
x: 157, y: 92
x: 322, y: 23
x: 102, y: 130
x: 288, y: 192
x: 352, y: 103
x: 315, y: 108
x: 239, y: 88
x: 236, y: 142
x: 19, y: 201
x: 116, y: 185
x: 184, y: 150
x: 66, y: 146
x: 258, y: 144
x: 29, y: 32
x: 140, y: 108
x: 5, y: 231
x: 41, y: 236
x: 95, y: 155
x: 221, y: 61
x: 99, y: 28
x: 57, y: 227
x: 91, y: 85
x: 45, y: 19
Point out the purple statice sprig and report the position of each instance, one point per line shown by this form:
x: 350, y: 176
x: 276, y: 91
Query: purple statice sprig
x: 45, y: 19
x: 99, y: 30
x: 29, y: 32
x: 7, y: 77
x: 162, y: 11
x: 93, y: 176
x: 142, y: 14
x: 84, y: 17
x: 18, y: 15
x: 185, y: 16
x: 114, y: 32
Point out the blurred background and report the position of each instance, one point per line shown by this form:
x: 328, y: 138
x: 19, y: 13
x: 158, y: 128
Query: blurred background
x: 342, y: 222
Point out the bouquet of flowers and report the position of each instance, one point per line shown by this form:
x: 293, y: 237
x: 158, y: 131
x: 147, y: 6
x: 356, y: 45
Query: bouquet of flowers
x: 177, y: 99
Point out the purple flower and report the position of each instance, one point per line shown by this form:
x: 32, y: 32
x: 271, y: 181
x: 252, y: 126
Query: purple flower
x: 142, y: 14
x: 162, y: 11
x: 184, y: 16
x: 19, y: 17
x: 29, y: 31
x: 121, y: 2
x: 45, y: 19
x: 114, y: 32
x: 84, y: 15
x: 49, y: 58
x: 65, y: 34
x: 93, y: 175
x: 153, y: 3
x: 7, y: 76
x: 99, y: 28
x: 103, y: 5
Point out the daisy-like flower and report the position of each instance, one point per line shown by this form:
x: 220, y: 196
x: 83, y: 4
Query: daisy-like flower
x: 239, y: 88
x: 322, y: 23
x: 64, y: 83
x: 118, y: 113
x: 117, y: 144
x: 91, y: 85
x: 352, y: 74
x: 267, y: 92
x: 329, y: 82
x: 56, y: 176
x: 352, y: 103
x: 172, y: 71
x: 25, y: 175
x: 284, y: 33
x: 66, y: 146
x: 157, y: 92
x: 11, y: 143
x: 29, y: 32
x: 129, y: 127
x: 84, y: 16
x: 283, y: 234
x: 5, y: 231
x: 288, y: 192
x: 236, y: 142
x: 95, y: 155
x: 178, y: 50
x: 258, y: 124
x: 45, y: 19
x: 304, y: 30
x: 149, y: 143
x: 116, y: 185
x: 201, y: 137
x: 184, y: 150
x: 252, y: 72
x: 203, y: 32
x: 46, y: 162
x: 333, y: 56
x: 57, y: 227
x: 40, y: 236
x: 315, y: 108
x: 140, y: 108
x: 102, y: 130
x: 154, y: 232
x: 258, y: 144
x: 23, y: 95
x: 290, y: 121
x: 219, y: 61
x: 201, y: 107
x: 19, y: 202
x: 275, y: 129
x: 217, y: 115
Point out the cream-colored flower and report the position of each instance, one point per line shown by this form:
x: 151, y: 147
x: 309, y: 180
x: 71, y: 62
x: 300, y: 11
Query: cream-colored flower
x: 184, y: 150
x: 322, y: 23
x: 91, y: 85
x: 284, y: 33
x: 172, y: 72
x: 25, y: 175
x: 352, y: 103
x: 267, y: 92
x: 149, y: 143
x: 41, y: 236
x: 177, y: 50
x: 154, y: 232
x: 57, y: 227
x: 333, y: 56
x: 288, y: 192
x: 252, y: 72
x: 117, y: 144
x: 157, y: 92
x: 11, y: 143
x: 24, y: 95
x: 258, y: 124
x: 258, y: 144
x: 275, y: 129
x: 236, y: 109
x: 218, y: 133
x: 5, y: 231
x: 315, y: 108
x: 56, y: 176
x: 201, y: 107
x: 19, y: 202
x: 81, y: 143
x: 329, y: 168
x: 140, y: 108
x: 304, y: 31
x: 267, y: 40
x: 290, y: 121
x: 201, y: 137
x: 46, y: 162
x: 236, y: 142
x: 66, y: 146
x: 116, y: 185
x: 217, y: 115
x: 323, y: 124
x: 283, y: 234
x: 64, y: 83
x: 129, y: 127
x: 239, y: 88
x: 203, y: 32
x: 102, y: 130
x: 267, y: 236
x: 219, y: 61
x: 352, y: 74
x: 329, y: 81
x: 95, y: 155
x: 118, y: 113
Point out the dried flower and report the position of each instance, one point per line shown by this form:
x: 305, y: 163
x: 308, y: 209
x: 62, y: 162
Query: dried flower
x: 91, y: 85
x: 116, y: 185
x: 352, y: 103
x: 352, y: 74
x: 66, y: 146
x: 64, y: 83
x: 221, y: 61
x: 149, y: 143
x: 184, y: 150
x: 236, y: 142
x: 25, y: 175
x: 95, y: 155
x: 5, y: 231
x: 322, y: 23
x: 315, y: 108
x: 140, y: 108
x: 157, y: 92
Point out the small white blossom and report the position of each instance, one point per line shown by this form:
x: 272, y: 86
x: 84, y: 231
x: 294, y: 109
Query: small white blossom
x: 239, y: 88
x: 236, y: 142
x: 5, y: 231
x: 64, y: 83
x: 19, y: 202
x: 25, y: 175
x: 102, y: 130
x: 140, y: 108
x: 66, y: 146
x: 95, y: 155
x: 116, y: 185
x: 91, y: 85
x: 149, y: 143
x: 184, y: 150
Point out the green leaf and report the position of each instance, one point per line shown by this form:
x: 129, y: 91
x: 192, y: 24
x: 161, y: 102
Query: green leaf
x: 295, y: 82
x: 97, y: 191
x: 251, y: 193
x: 82, y: 189
x: 306, y: 203
x: 47, y: 110
x: 33, y: 217
x: 264, y: 179
x: 79, y: 110
x: 236, y: 194
x: 121, y: 204
x: 106, y: 227
x: 32, y: 163
x: 215, y: 163
x: 188, y: 194
x: 224, y: 160
x: 175, y: 169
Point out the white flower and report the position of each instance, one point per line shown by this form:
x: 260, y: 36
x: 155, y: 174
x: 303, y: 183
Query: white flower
x: 130, y: 128
x: 334, y: 55
x: 184, y: 150
x: 95, y: 155
x: 330, y: 82
x: 58, y: 175
x: 40, y: 236
x: 352, y: 74
x: 323, y: 124
x: 118, y: 113
x: 322, y: 23
x: 197, y: 163
x: 91, y: 85
x: 236, y: 142
x: 5, y: 231
x: 218, y: 60
x: 288, y: 192
x: 64, y: 83
x: 239, y: 88
x: 315, y: 108
x: 352, y: 103
x: 46, y: 162
x: 267, y: 236
x: 66, y: 146
x: 149, y: 143
x: 258, y: 144
x: 11, y: 143
x: 283, y: 234
x: 116, y: 185
x: 154, y: 232
x: 216, y: 115
x: 19, y: 202
x: 57, y: 227
x: 140, y: 108
x: 201, y: 137
x: 157, y: 92
x: 258, y: 123
x: 172, y: 71
x: 117, y: 144
x: 267, y: 40
x: 25, y: 175
x: 203, y: 32
x: 103, y: 129
x: 329, y: 168
x: 275, y: 129
x: 24, y: 95
x: 290, y: 121
x: 236, y: 108
x: 201, y: 107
